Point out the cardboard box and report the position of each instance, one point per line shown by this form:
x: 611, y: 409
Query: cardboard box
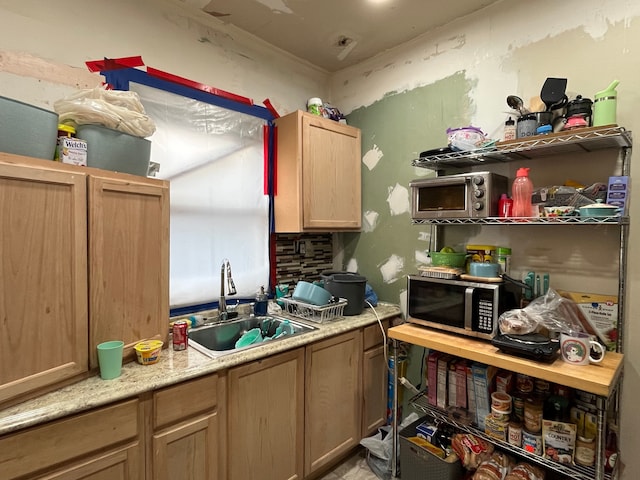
x: 461, y: 373
x: 618, y: 192
x: 598, y: 315
x: 452, y: 400
x: 471, y: 393
x: 483, y: 379
x: 432, y: 377
x: 443, y: 377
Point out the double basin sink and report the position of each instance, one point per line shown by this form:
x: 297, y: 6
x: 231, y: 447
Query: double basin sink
x: 220, y: 339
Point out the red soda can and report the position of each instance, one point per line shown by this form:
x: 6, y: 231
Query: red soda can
x: 180, y: 338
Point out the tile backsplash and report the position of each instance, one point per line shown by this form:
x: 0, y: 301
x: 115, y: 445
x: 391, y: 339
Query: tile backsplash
x: 302, y: 256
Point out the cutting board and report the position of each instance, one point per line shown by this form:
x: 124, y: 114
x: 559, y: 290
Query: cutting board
x: 472, y: 278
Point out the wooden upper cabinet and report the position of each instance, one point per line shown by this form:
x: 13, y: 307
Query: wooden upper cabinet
x: 128, y: 261
x: 43, y: 279
x: 318, y: 181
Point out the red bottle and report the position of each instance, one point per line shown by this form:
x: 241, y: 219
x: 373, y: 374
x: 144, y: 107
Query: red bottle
x: 521, y: 192
x: 505, y: 206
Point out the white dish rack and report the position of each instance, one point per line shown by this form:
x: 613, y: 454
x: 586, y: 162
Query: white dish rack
x: 314, y: 313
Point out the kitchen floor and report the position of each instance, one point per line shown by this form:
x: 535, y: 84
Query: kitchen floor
x: 353, y: 468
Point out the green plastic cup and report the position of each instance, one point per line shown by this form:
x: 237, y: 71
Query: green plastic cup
x: 110, y: 359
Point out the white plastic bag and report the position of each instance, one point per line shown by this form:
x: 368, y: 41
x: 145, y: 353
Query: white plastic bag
x: 380, y: 447
x: 115, y: 109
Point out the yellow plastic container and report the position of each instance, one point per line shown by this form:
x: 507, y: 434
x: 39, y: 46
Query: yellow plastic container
x: 148, y: 352
x: 482, y: 253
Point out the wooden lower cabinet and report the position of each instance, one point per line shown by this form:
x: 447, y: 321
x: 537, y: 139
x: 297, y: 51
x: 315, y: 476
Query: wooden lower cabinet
x: 120, y: 464
x: 106, y: 443
x: 333, y: 399
x: 265, y: 418
x: 186, y: 435
x: 374, y: 380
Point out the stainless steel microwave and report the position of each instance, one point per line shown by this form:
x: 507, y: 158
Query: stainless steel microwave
x: 457, y: 306
x: 466, y: 195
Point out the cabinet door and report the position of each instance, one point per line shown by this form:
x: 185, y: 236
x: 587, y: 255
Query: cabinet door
x: 128, y: 261
x: 374, y: 381
x: 43, y: 277
x: 122, y: 464
x: 187, y: 451
x: 318, y: 175
x: 333, y: 399
x: 331, y: 186
x: 78, y: 439
x: 265, y: 418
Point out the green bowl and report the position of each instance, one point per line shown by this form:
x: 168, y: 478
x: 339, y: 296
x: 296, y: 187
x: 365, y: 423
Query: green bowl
x: 441, y: 259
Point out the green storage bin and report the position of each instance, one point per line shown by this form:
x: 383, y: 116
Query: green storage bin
x: 114, y: 150
x: 27, y: 130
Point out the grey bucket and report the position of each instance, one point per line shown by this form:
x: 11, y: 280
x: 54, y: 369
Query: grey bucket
x: 347, y: 285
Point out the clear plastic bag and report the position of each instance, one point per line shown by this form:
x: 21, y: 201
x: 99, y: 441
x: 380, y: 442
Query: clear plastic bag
x: 380, y: 448
x: 550, y: 312
x: 115, y: 109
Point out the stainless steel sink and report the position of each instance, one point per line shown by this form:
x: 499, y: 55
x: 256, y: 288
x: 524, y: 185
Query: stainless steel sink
x: 220, y: 338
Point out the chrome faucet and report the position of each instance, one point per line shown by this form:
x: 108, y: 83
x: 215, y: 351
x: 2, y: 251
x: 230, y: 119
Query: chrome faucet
x: 225, y: 270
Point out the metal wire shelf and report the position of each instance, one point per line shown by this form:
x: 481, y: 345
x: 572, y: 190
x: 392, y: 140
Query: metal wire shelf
x: 617, y: 220
x: 421, y: 403
x: 575, y: 141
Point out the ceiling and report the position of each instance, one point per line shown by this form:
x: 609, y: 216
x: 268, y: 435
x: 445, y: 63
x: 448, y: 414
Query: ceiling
x: 335, y: 34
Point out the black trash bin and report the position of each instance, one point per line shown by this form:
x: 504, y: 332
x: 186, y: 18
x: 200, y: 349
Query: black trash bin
x: 347, y: 285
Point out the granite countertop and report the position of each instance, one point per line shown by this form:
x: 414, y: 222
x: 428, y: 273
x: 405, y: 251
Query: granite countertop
x: 173, y: 367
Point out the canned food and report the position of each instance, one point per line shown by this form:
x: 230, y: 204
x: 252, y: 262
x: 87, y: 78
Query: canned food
x: 180, y: 337
x: 532, y: 442
x: 514, y: 434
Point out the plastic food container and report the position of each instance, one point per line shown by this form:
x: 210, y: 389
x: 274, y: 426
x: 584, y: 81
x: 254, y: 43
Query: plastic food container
x: 148, y: 352
x: 443, y: 259
x: 310, y: 293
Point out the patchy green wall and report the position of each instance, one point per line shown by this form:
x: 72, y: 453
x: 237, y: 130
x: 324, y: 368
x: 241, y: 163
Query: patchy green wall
x: 394, y: 132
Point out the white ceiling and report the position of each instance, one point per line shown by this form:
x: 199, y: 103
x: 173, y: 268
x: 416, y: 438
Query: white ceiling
x: 335, y: 34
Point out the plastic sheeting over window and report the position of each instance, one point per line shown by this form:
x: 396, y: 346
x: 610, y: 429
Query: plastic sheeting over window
x: 214, y: 160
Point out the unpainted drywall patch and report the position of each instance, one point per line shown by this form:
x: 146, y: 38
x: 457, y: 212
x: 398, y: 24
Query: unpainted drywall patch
x: 370, y: 221
x: 372, y: 157
x: 422, y: 257
x: 398, y: 199
x: 26, y: 65
x: 392, y: 268
x: 352, y: 265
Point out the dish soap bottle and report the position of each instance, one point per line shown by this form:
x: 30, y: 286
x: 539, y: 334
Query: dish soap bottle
x: 521, y: 192
x: 262, y: 301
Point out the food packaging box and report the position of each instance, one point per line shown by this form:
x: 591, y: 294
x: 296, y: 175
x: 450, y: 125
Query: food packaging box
x: 558, y: 441
x: 27, y: 130
x: 483, y: 379
x: 72, y: 151
x: 461, y: 384
x: 598, y: 315
x: 114, y: 150
x: 471, y: 393
x: 504, y: 381
x: 618, y: 192
x: 443, y: 377
x: 432, y: 377
x: 452, y: 399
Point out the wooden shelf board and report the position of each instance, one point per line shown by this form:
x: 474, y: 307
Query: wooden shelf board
x: 599, y: 379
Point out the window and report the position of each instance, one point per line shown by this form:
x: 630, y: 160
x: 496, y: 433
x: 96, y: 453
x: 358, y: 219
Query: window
x: 214, y: 158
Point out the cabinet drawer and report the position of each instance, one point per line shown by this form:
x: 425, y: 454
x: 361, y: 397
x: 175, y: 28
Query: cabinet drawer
x: 57, y: 442
x: 373, y: 336
x: 175, y: 403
